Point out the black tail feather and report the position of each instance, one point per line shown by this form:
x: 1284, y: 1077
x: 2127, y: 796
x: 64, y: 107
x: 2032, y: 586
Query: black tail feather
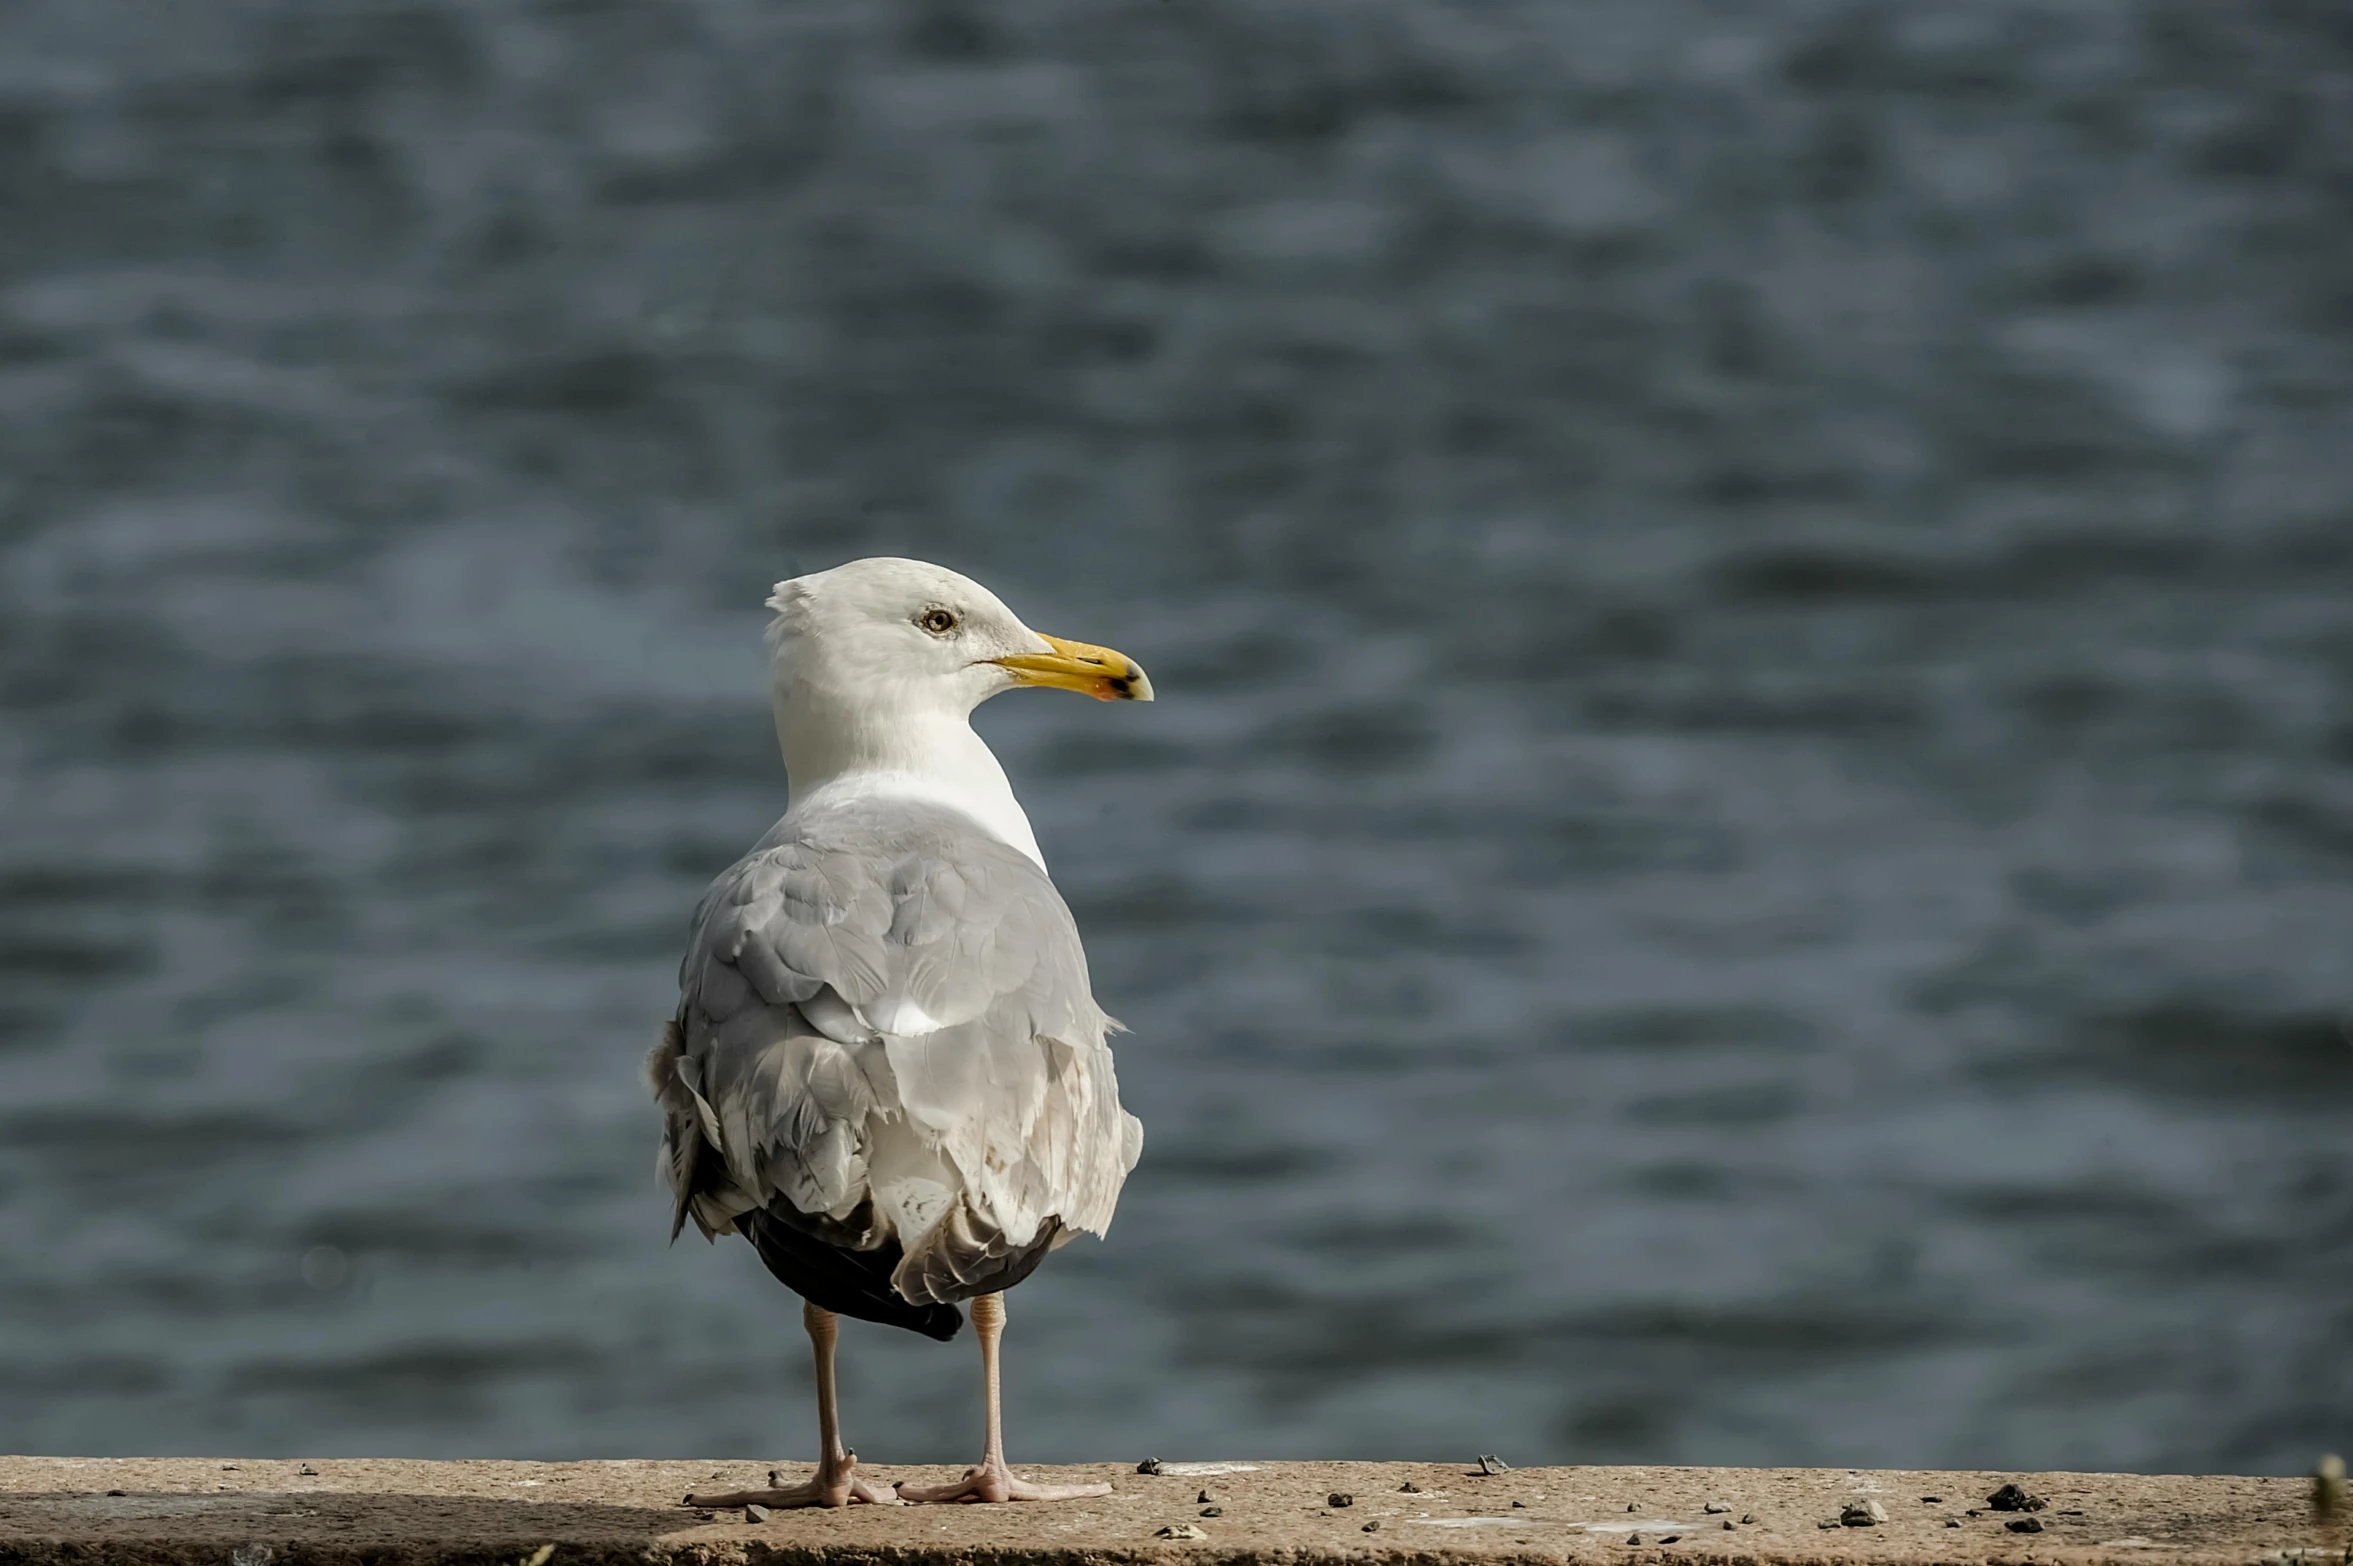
x: 848, y: 1282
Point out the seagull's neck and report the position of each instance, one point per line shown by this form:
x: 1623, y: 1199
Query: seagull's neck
x: 837, y: 752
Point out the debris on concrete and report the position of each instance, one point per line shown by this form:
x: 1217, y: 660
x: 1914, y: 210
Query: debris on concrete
x: 2015, y: 1498
x: 398, y: 1513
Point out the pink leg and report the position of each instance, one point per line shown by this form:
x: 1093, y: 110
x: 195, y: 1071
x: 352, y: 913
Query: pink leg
x: 836, y: 1482
x: 992, y: 1480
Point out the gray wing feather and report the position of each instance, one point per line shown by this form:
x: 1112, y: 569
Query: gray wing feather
x: 885, y: 1012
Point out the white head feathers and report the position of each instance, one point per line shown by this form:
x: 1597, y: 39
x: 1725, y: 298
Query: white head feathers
x: 877, y: 666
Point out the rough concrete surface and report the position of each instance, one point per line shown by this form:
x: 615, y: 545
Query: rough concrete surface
x: 254, y: 1512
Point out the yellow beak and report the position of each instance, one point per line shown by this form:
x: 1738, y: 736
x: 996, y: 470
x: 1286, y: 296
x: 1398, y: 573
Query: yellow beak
x: 1083, y: 667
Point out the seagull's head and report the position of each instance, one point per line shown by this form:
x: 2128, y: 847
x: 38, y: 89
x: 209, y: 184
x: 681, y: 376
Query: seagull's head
x: 893, y: 634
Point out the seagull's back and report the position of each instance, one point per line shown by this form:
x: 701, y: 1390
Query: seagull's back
x: 888, y: 1070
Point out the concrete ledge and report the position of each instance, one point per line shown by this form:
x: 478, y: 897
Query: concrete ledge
x: 224, y: 1512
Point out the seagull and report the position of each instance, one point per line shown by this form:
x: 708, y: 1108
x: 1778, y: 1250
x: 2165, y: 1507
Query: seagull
x: 887, y: 1070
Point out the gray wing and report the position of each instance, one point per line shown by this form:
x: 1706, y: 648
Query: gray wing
x: 885, y: 1023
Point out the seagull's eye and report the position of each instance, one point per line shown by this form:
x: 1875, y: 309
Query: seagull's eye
x: 938, y: 621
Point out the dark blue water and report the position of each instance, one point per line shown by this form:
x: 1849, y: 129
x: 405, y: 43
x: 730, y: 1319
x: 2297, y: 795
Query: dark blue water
x: 1747, y: 851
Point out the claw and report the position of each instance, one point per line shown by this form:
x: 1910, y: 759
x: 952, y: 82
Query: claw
x: 991, y: 1483
x: 834, y: 1484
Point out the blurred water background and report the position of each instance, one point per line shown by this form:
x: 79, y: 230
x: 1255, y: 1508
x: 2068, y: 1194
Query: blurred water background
x: 1744, y: 856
